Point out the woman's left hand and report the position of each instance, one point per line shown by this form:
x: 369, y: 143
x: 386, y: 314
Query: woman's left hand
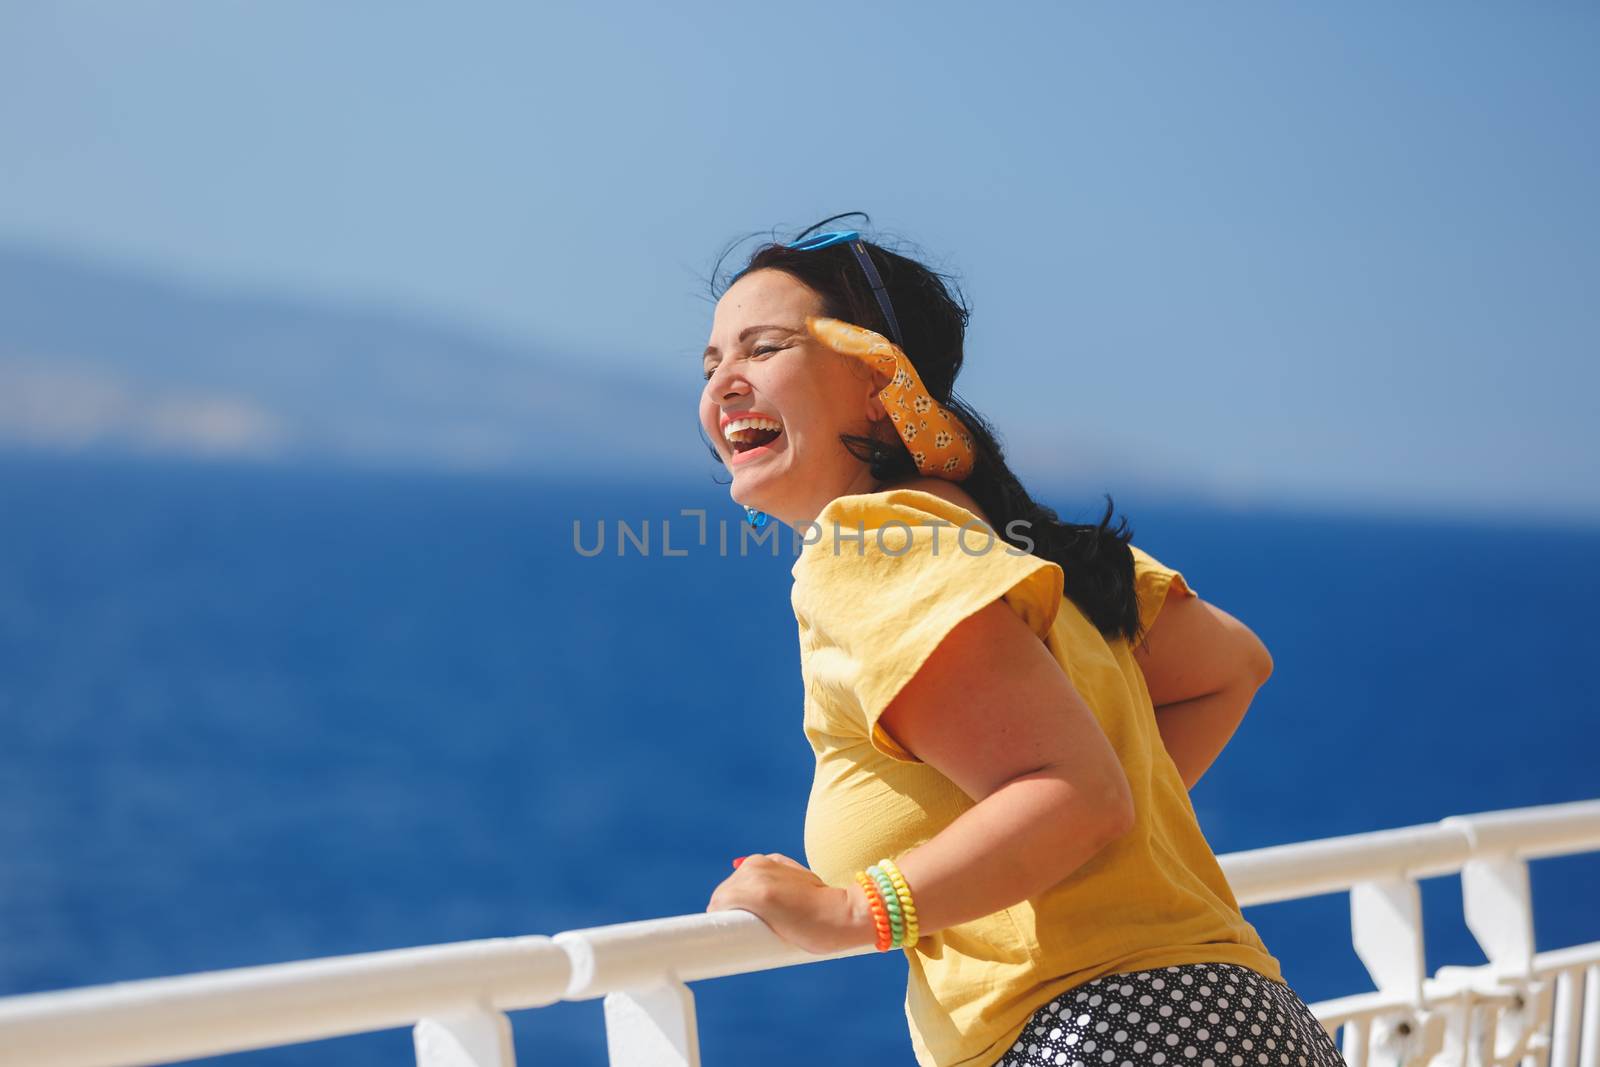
x: 796, y: 904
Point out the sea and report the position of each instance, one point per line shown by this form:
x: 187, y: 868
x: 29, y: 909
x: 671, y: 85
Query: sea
x: 252, y: 714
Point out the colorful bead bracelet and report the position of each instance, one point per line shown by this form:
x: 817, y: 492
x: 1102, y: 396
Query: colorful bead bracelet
x: 907, y: 907
x: 894, y: 916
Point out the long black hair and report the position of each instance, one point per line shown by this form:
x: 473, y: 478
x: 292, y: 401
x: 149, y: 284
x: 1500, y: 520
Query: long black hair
x: 1096, y: 560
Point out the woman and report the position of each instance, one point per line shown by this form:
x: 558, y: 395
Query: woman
x: 1005, y: 736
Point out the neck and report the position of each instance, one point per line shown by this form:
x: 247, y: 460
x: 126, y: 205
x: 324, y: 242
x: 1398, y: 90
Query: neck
x: 802, y: 518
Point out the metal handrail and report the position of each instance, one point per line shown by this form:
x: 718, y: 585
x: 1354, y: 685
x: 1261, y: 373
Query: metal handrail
x: 456, y: 994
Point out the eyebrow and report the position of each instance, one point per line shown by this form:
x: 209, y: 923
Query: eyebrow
x: 711, y: 350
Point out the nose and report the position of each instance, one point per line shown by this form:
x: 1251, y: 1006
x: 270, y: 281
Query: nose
x: 726, y: 382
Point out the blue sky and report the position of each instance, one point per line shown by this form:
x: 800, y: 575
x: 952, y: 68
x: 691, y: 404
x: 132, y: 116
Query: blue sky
x: 1334, y: 254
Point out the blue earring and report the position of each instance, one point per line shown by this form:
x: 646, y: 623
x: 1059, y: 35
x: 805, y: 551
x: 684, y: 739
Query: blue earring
x: 755, y: 518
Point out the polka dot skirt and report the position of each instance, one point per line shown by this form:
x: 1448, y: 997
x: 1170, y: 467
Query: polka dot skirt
x: 1196, y: 1015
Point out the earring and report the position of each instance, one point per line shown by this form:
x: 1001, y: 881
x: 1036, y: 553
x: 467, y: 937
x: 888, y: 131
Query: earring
x: 755, y: 518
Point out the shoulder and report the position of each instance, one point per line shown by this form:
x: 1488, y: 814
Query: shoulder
x: 948, y: 491
x: 914, y: 556
x: 1152, y: 582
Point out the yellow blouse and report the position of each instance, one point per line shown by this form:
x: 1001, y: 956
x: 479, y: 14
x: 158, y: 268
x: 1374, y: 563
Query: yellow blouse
x: 871, y: 608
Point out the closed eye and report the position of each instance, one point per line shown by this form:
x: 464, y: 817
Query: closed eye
x: 759, y: 350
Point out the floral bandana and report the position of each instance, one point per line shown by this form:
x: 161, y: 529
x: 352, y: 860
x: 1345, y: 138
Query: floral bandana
x: 937, y: 440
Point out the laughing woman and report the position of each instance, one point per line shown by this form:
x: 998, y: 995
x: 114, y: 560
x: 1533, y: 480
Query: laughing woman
x: 1007, y: 711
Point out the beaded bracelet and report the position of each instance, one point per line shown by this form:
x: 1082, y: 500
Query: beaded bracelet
x: 880, y: 915
x: 907, y: 908
x: 891, y: 901
x: 894, y: 915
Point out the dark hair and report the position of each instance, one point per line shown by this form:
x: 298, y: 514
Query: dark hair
x: 1096, y: 560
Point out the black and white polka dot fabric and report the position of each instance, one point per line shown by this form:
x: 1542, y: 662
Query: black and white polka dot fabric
x: 1196, y: 1015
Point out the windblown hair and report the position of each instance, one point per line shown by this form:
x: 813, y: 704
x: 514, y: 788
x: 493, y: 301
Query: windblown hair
x: 1096, y: 560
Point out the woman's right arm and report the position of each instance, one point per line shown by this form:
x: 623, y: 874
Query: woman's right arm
x: 1202, y: 667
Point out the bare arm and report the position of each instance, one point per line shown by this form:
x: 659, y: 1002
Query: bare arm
x: 1203, y: 668
x: 993, y: 711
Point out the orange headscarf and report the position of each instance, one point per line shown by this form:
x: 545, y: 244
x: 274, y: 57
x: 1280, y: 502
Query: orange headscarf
x: 938, y: 442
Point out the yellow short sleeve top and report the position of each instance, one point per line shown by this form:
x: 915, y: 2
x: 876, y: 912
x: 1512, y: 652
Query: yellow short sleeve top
x: 873, y: 597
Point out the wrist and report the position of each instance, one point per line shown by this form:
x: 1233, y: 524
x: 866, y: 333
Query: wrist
x: 858, y: 916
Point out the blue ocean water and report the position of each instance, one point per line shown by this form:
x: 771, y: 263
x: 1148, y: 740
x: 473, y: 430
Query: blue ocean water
x: 254, y: 715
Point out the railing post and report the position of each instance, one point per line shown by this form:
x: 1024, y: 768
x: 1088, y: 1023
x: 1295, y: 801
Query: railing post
x: 1565, y: 1023
x: 1498, y: 904
x: 1589, y: 1046
x: 1485, y: 1022
x: 1357, y: 1039
x: 652, y: 1026
x: 1386, y: 927
x: 476, y: 1037
x: 1497, y: 901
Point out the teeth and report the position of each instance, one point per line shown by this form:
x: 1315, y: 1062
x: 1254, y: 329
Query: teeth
x: 759, y: 422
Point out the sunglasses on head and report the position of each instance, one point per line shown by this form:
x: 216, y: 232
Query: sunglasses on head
x: 853, y: 239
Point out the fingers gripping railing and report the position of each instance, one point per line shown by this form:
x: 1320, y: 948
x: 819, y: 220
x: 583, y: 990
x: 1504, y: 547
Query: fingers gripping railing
x: 1521, y: 1009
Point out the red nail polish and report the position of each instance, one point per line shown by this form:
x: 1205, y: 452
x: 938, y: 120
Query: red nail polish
x: 738, y: 860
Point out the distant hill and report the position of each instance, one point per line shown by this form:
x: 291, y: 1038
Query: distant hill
x: 96, y: 358
x: 115, y: 360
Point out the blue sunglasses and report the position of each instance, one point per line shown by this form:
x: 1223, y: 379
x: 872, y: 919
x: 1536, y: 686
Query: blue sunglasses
x: 851, y: 237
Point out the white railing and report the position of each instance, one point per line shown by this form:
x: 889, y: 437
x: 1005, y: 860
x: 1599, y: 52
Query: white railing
x: 1521, y: 1009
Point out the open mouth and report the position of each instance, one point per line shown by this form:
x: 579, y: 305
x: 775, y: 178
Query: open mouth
x: 747, y: 435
